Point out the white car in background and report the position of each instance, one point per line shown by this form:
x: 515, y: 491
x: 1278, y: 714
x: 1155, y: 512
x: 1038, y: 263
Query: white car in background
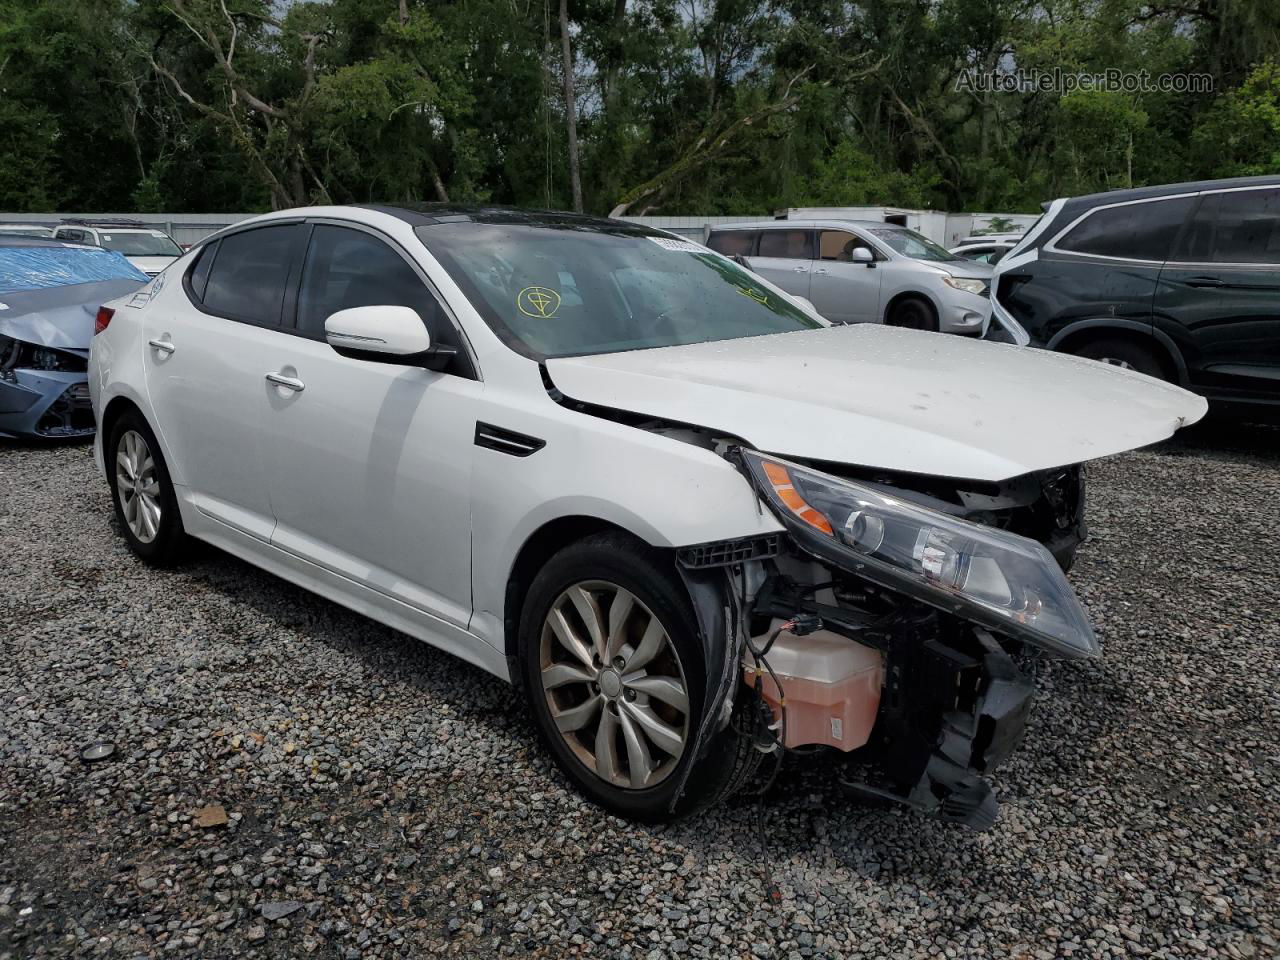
x: 148, y: 249
x: 864, y: 271
x: 696, y: 523
x: 25, y: 230
x: 988, y: 248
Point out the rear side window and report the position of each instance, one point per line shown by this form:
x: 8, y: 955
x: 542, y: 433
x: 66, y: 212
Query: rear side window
x: 732, y: 243
x: 786, y: 244
x: 350, y: 268
x: 1133, y: 231
x: 1236, y: 227
x: 249, y: 275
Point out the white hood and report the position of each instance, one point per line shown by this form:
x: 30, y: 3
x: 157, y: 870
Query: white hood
x: 896, y: 399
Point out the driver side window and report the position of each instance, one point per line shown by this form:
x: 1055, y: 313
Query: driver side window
x: 837, y: 245
x: 350, y: 268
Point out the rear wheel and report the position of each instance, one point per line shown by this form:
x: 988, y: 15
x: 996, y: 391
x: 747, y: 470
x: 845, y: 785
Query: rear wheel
x: 912, y: 313
x: 1125, y: 354
x: 615, y: 676
x: 145, y: 504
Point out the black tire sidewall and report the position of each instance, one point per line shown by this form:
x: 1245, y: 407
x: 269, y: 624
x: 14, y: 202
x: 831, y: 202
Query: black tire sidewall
x: 164, y: 549
x: 1138, y: 357
x: 633, y: 566
x: 903, y: 312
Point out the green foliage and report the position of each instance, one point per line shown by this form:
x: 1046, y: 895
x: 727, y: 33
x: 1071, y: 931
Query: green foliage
x: 709, y: 106
x: 1241, y: 134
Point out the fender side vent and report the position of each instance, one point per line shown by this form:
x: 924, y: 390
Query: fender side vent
x: 507, y: 441
x: 724, y: 553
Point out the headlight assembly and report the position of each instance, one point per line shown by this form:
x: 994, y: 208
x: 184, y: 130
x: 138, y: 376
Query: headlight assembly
x: 999, y: 579
x: 967, y: 284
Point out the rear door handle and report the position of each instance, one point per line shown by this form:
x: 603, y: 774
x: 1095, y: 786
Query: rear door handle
x: 821, y: 271
x: 1205, y: 282
x: 289, y: 383
x: 799, y: 269
x: 164, y: 346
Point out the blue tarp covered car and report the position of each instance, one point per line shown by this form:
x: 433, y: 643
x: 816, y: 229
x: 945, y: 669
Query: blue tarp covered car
x: 49, y: 295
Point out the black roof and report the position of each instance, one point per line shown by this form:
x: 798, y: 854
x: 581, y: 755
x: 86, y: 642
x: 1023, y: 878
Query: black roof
x: 421, y: 214
x: 1168, y: 189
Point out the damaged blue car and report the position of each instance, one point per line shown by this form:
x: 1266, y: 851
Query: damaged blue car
x: 50, y: 292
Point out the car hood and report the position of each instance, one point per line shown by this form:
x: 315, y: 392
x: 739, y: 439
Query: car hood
x: 971, y: 269
x: 60, y: 317
x: 890, y: 398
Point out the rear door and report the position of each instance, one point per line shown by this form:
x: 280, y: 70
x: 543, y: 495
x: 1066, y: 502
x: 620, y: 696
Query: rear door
x: 783, y: 257
x: 1219, y: 295
x: 205, y: 350
x: 841, y: 290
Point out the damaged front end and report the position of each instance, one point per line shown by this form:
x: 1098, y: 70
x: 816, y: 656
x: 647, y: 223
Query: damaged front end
x: 889, y: 627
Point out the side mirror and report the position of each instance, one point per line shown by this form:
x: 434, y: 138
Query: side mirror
x: 385, y: 334
x: 862, y: 255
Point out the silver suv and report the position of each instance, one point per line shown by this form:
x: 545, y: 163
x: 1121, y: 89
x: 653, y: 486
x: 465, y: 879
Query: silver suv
x: 864, y: 271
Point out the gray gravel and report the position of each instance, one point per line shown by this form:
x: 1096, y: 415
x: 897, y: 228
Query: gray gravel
x: 379, y: 799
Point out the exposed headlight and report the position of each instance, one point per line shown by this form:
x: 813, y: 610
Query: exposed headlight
x: 967, y: 284
x: 999, y: 579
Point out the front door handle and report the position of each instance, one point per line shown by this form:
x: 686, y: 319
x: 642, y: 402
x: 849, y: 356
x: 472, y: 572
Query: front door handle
x: 164, y: 346
x: 799, y: 269
x: 821, y: 271
x: 1205, y: 282
x: 289, y: 383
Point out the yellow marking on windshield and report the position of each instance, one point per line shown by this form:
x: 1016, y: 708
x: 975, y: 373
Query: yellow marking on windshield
x: 755, y: 295
x: 539, y: 302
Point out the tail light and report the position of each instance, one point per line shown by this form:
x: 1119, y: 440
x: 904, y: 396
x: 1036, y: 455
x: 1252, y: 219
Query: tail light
x: 102, y: 319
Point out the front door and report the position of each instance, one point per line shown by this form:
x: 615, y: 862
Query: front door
x: 368, y: 462
x: 841, y: 290
x: 203, y: 360
x: 1219, y: 295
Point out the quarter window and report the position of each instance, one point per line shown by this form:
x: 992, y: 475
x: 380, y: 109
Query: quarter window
x: 350, y: 268
x: 785, y: 244
x: 1236, y: 227
x: 1133, y: 231
x: 199, y: 275
x: 732, y: 243
x: 248, y: 278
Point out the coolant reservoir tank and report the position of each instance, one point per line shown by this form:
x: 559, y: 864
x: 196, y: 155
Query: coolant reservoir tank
x: 831, y: 687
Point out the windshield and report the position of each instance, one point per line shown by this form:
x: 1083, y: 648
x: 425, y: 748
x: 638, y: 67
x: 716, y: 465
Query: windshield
x: 912, y: 244
x: 141, y: 244
x: 568, y: 289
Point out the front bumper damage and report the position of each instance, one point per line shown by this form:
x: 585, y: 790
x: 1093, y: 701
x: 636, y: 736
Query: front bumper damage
x: 954, y: 701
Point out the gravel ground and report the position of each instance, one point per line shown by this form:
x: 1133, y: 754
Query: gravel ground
x: 384, y: 800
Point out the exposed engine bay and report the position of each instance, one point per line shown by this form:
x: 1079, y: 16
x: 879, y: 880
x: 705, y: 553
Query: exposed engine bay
x: 919, y: 689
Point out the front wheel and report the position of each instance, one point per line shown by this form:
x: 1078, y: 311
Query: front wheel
x: 913, y: 314
x: 615, y: 677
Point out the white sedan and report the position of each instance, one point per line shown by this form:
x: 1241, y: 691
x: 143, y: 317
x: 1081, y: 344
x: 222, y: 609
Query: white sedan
x: 695, y: 523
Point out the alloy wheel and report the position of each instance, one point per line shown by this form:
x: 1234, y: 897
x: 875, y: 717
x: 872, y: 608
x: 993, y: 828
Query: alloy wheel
x: 614, y: 684
x: 138, y: 486
x: 1117, y: 362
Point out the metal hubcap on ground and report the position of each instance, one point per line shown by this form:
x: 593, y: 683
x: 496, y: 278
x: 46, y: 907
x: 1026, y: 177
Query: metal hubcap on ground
x: 614, y: 684
x: 137, y: 486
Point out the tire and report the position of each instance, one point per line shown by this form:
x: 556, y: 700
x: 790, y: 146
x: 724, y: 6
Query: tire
x: 594, y: 577
x: 912, y: 314
x: 146, y: 509
x: 1125, y: 353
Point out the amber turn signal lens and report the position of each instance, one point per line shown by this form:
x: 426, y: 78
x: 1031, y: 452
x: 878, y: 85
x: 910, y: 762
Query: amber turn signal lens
x: 780, y: 480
